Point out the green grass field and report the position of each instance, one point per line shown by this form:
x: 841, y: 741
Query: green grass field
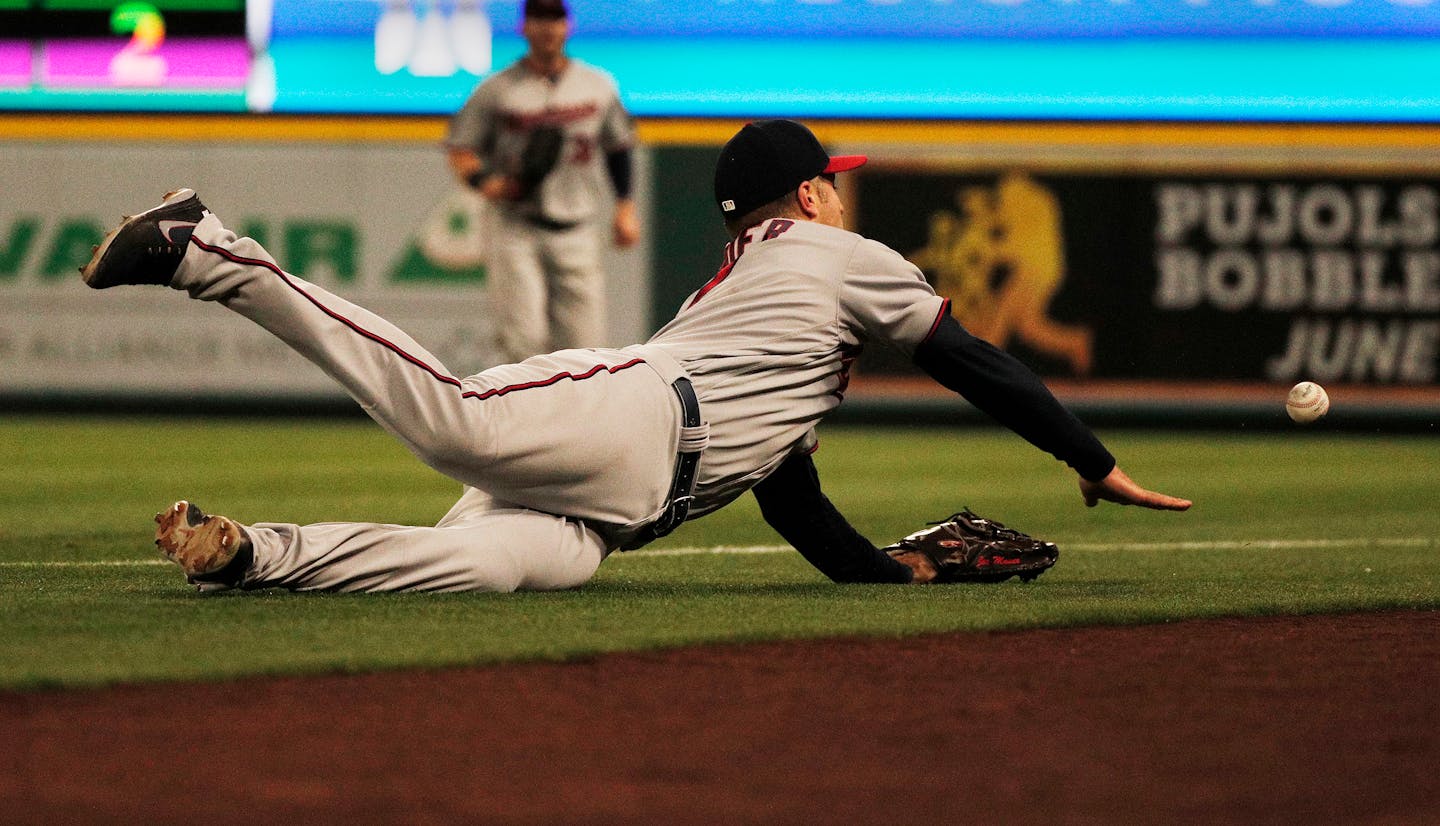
x: 1296, y: 522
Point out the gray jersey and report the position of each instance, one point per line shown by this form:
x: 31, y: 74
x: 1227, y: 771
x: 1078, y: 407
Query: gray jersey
x: 770, y: 340
x: 583, y: 102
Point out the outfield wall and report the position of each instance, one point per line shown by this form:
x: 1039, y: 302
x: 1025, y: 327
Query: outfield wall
x: 364, y: 209
x: 1169, y: 269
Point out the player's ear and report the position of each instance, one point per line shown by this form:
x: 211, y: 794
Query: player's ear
x: 807, y: 197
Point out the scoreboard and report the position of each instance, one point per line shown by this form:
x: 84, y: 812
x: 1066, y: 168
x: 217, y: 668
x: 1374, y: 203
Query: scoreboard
x: 187, y: 55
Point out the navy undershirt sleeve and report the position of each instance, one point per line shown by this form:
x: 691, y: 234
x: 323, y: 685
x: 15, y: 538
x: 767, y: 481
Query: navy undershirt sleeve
x: 617, y: 163
x: 1002, y: 387
x: 792, y: 503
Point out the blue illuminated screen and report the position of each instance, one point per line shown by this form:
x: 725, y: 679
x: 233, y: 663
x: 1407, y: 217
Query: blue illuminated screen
x: 1188, y: 60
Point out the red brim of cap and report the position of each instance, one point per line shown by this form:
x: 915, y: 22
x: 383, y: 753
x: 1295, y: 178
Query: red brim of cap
x: 844, y: 163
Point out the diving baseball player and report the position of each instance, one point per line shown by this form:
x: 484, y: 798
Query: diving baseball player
x: 539, y: 139
x: 569, y: 456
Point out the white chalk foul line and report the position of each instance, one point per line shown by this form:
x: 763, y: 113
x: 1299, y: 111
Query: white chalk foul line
x: 1217, y: 545
x: 1255, y: 544
x: 718, y: 549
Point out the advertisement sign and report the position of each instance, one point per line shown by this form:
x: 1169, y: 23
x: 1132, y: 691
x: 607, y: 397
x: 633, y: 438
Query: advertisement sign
x: 1233, y: 277
x: 379, y: 225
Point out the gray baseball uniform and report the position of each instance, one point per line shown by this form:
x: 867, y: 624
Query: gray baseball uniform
x: 770, y: 339
x: 568, y: 456
x: 544, y: 251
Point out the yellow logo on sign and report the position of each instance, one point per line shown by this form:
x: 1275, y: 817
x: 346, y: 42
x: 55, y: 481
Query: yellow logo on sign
x: 1000, y: 261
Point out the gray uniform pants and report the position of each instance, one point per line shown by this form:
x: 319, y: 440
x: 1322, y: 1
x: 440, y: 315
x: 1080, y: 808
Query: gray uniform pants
x: 564, y: 456
x: 547, y: 291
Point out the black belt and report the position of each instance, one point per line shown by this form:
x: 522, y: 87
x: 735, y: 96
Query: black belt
x: 687, y: 461
x: 546, y: 223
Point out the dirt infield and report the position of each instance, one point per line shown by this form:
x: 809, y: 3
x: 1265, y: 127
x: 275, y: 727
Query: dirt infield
x: 1279, y: 720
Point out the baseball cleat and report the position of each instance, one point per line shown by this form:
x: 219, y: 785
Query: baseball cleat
x: 146, y: 248
x: 198, y: 543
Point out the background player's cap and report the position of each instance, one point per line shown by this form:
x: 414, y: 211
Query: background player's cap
x: 767, y: 159
x: 546, y: 9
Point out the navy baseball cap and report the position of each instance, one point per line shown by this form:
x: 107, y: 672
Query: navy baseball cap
x: 767, y: 159
x: 546, y: 9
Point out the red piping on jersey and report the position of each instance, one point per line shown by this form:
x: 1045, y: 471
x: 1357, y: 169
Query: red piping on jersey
x: 940, y: 316
x: 396, y: 349
x: 529, y: 385
x: 735, y: 248
x: 711, y: 284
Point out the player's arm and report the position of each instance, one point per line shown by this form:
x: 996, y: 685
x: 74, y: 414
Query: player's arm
x: 999, y: 385
x: 472, y: 169
x: 792, y: 503
x: 1002, y: 387
x: 470, y: 148
x: 619, y: 165
x: 617, y: 137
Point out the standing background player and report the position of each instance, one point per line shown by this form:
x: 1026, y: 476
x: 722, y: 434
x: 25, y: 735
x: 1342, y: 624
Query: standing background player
x: 537, y: 140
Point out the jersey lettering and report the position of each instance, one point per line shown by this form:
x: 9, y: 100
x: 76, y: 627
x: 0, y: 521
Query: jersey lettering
x: 735, y: 248
x: 777, y: 226
x: 518, y: 121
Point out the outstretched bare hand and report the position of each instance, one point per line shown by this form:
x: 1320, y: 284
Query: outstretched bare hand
x: 627, y: 225
x: 1117, y: 487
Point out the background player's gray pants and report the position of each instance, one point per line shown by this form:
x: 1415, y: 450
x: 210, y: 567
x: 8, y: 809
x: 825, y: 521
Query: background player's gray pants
x: 590, y: 434
x: 546, y: 287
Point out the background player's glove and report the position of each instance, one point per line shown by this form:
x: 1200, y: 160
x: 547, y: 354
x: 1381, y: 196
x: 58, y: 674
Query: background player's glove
x: 970, y: 548
x: 538, y: 158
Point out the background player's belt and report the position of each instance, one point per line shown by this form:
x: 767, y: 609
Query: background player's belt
x: 554, y: 226
x: 694, y: 436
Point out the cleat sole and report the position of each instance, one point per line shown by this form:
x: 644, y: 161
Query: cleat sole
x: 88, y: 272
x: 200, y: 544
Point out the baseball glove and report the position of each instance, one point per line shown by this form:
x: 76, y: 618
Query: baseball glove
x: 970, y: 548
x: 538, y: 158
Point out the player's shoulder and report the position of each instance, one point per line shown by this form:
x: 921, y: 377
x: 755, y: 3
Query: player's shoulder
x: 869, y: 246
x: 513, y: 73
x: 824, y: 232
x: 862, y: 255
x: 836, y: 240
x: 593, y: 73
x: 870, y: 250
x: 849, y: 240
x: 499, y: 81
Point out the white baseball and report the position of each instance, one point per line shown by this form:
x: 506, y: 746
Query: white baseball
x: 1307, y: 402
